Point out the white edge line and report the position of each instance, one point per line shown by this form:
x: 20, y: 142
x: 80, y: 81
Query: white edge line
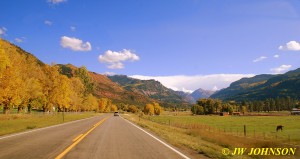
x: 181, y: 154
x: 26, y: 132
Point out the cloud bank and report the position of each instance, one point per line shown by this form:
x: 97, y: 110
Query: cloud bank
x: 115, y: 59
x: 75, y: 44
x: 290, y: 46
x: 191, y: 83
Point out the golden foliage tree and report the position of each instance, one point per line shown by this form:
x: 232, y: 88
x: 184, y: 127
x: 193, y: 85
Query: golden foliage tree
x: 149, y: 109
x: 157, y: 108
x: 76, y: 94
x: 90, y: 103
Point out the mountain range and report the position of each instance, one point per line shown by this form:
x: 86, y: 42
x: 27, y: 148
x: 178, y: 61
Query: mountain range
x: 124, y: 89
x: 156, y: 90
x: 263, y: 86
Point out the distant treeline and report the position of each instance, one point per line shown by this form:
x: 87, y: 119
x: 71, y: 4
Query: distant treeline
x: 214, y: 106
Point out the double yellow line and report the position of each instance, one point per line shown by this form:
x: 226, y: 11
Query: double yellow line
x: 79, y: 138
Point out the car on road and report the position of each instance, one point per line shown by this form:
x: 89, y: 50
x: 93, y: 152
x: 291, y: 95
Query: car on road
x: 116, y: 114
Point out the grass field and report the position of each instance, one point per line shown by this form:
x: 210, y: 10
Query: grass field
x: 207, y: 135
x: 12, y: 123
x: 256, y: 126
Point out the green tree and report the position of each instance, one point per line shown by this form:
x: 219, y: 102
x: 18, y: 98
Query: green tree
x: 197, y: 109
x: 83, y: 74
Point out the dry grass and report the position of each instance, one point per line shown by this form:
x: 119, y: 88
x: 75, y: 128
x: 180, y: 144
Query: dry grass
x: 13, y: 123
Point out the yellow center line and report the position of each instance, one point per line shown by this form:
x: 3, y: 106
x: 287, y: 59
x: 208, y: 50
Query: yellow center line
x: 79, y: 139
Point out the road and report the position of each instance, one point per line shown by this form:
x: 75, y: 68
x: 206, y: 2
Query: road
x: 104, y: 136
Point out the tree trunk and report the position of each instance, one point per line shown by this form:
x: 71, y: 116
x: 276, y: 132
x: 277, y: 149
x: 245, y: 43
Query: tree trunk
x: 5, y: 110
x: 29, y: 108
x: 19, y: 109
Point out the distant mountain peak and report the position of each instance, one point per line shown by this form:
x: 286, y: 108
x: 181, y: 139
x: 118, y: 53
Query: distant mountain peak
x: 150, y: 88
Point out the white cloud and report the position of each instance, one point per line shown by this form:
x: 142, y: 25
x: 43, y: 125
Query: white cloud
x: 186, y: 90
x: 2, y: 31
x: 281, y: 69
x: 115, y: 59
x: 109, y: 73
x: 260, y: 59
x: 117, y: 65
x: 75, y: 44
x: 56, y: 1
x: 207, y: 82
x: 47, y: 22
x: 73, y: 28
x: 19, y: 40
x: 276, y: 56
x: 291, y: 46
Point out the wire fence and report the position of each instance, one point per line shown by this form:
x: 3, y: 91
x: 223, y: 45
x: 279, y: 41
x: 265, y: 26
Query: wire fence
x: 245, y: 131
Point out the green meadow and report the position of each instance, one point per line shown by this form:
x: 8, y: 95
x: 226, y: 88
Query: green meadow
x: 207, y: 135
x: 263, y: 127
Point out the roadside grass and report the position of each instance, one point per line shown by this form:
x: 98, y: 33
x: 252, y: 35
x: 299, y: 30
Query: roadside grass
x: 205, y: 134
x: 13, y: 123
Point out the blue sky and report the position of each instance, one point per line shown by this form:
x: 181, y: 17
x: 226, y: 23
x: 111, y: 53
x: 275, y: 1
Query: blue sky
x: 185, y: 44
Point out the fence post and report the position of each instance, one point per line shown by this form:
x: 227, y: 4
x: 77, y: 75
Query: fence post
x: 169, y: 121
x: 63, y: 114
x: 245, y: 130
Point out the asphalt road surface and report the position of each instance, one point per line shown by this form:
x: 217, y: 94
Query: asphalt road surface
x: 106, y: 136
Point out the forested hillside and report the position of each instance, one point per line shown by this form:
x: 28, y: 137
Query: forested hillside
x: 103, y: 87
x: 150, y: 88
x: 261, y: 87
x: 26, y: 83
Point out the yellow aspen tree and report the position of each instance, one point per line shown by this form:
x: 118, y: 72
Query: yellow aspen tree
x: 157, y: 108
x: 149, y: 109
x: 76, y: 94
x: 63, y: 95
x: 103, y: 103
x: 113, y: 108
x: 50, y: 88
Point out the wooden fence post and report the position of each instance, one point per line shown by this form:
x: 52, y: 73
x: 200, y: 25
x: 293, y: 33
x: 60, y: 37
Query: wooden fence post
x: 245, y: 130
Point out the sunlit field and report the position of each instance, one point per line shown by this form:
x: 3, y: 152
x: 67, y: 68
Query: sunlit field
x: 207, y: 135
x: 263, y: 127
x: 12, y: 123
